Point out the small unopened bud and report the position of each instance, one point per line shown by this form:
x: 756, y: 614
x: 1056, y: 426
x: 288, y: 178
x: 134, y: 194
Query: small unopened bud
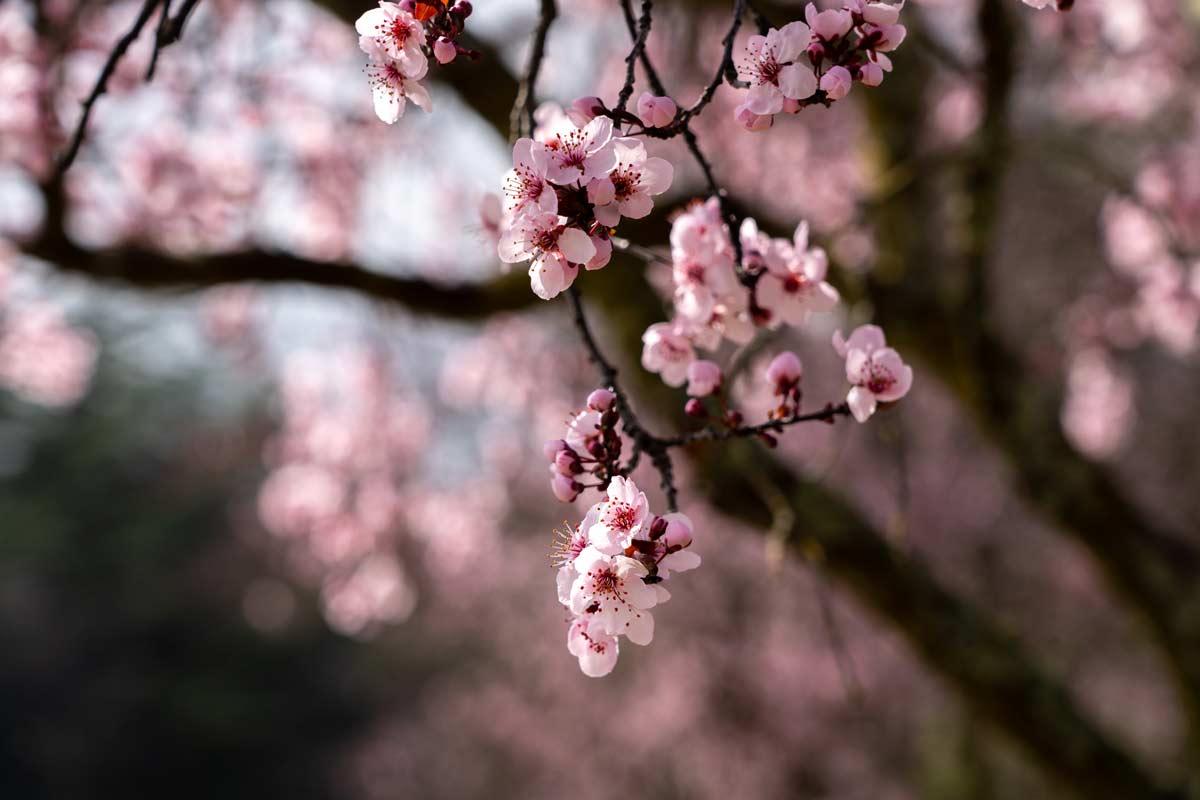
x: 564, y: 488
x: 600, y: 400
x: 679, y: 532
x: 816, y: 52
x: 595, y: 449
x: 552, y: 446
x: 695, y: 408
x: 784, y: 372
x: 444, y: 50
x: 567, y: 463
x: 462, y: 9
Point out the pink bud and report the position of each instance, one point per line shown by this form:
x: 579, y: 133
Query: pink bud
x: 784, y: 371
x: 871, y: 74
x: 584, y: 110
x: 694, y: 408
x: 679, y: 531
x: 836, y: 82
x: 703, y: 378
x: 600, y: 400
x: 890, y: 37
x: 654, y: 111
x: 791, y: 106
x: 751, y: 121
x: 567, y: 463
x: 657, y: 528
x: 564, y: 488
x: 552, y: 446
x: 444, y: 50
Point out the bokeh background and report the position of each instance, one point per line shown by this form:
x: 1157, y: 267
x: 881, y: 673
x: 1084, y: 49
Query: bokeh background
x: 274, y: 519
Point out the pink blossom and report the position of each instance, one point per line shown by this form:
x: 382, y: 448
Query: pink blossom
x: 667, y: 351
x: 871, y: 74
x: 580, y: 154
x: 784, y: 372
x: 776, y: 69
x: 556, y: 251
x: 391, y: 87
x: 619, y: 518
x: 829, y: 24
x: 611, y: 592
x: 655, y: 111
x: 627, y: 190
x: 703, y: 378
x: 391, y: 33
x: 525, y: 185
x: 794, y: 284
x: 837, y: 82
x: 596, y: 650
x: 604, y: 248
x: 876, y: 371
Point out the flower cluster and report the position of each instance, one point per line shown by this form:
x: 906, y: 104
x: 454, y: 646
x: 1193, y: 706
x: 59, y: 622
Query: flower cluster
x: 801, y: 64
x: 569, y: 187
x: 611, y: 569
x: 398, y: 38
x: 591, y: 446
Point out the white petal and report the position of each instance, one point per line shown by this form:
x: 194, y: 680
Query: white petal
x: 793, y: 39
x: 861, y: 402
x: 389, y: 104
x: 797, y: 81
x: 764, y: 99
x: 636, y: 205
x: 418, y: 94
x: 657, y: 174
x: 641, y: 628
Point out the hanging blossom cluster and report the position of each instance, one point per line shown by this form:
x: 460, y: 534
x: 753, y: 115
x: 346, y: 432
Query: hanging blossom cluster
x: 569, y: 187
x: 611, y: 570
x: 399, y: 38
x: 777, y: 282
x: 817, y: 63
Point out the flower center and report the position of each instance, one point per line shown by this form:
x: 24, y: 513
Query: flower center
x: 401, y: 30
x: 621, y: 516
x: 880, y: 381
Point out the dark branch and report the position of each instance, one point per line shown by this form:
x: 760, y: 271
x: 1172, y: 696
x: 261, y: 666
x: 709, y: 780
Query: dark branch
x: 521, y: 120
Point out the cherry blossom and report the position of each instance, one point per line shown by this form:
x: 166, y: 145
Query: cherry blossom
x: 877, y: 372
x: 836, y: 82
x: 391, y: 32
x: 556, y: 250
x: 794, y: 283
x: 610, y: 589
x: 667, y: 351
x: 829, y: 24
x: 704, y: 378
x: 775, y: 69
x: 525, y: 185
x: 627, y: 190
x: 596, y: 650
x: 784, y: 372
x: 620, y: 518
x: 579, y: 154
x: 391, y: 87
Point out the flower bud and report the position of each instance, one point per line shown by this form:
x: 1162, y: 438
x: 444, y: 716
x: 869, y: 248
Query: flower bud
x: 871, y: 74
x: 595, y: 449
x: 679, y: 531
x: 695, y: 408
x: 564, y: 488
x: 784, y: 372
x: 552, y: 446
x: 836, y: 83
x: 654, y: 111
x: 567, y: 463
x: 462, y: 8
x: 444, y: 50
x: 600, y: 400
x: 585, y: 109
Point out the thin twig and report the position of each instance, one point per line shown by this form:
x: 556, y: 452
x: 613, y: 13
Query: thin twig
x: 520, y: 121
x: 101, y: 85
x: 639, y: 48
x: 826, y: 414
